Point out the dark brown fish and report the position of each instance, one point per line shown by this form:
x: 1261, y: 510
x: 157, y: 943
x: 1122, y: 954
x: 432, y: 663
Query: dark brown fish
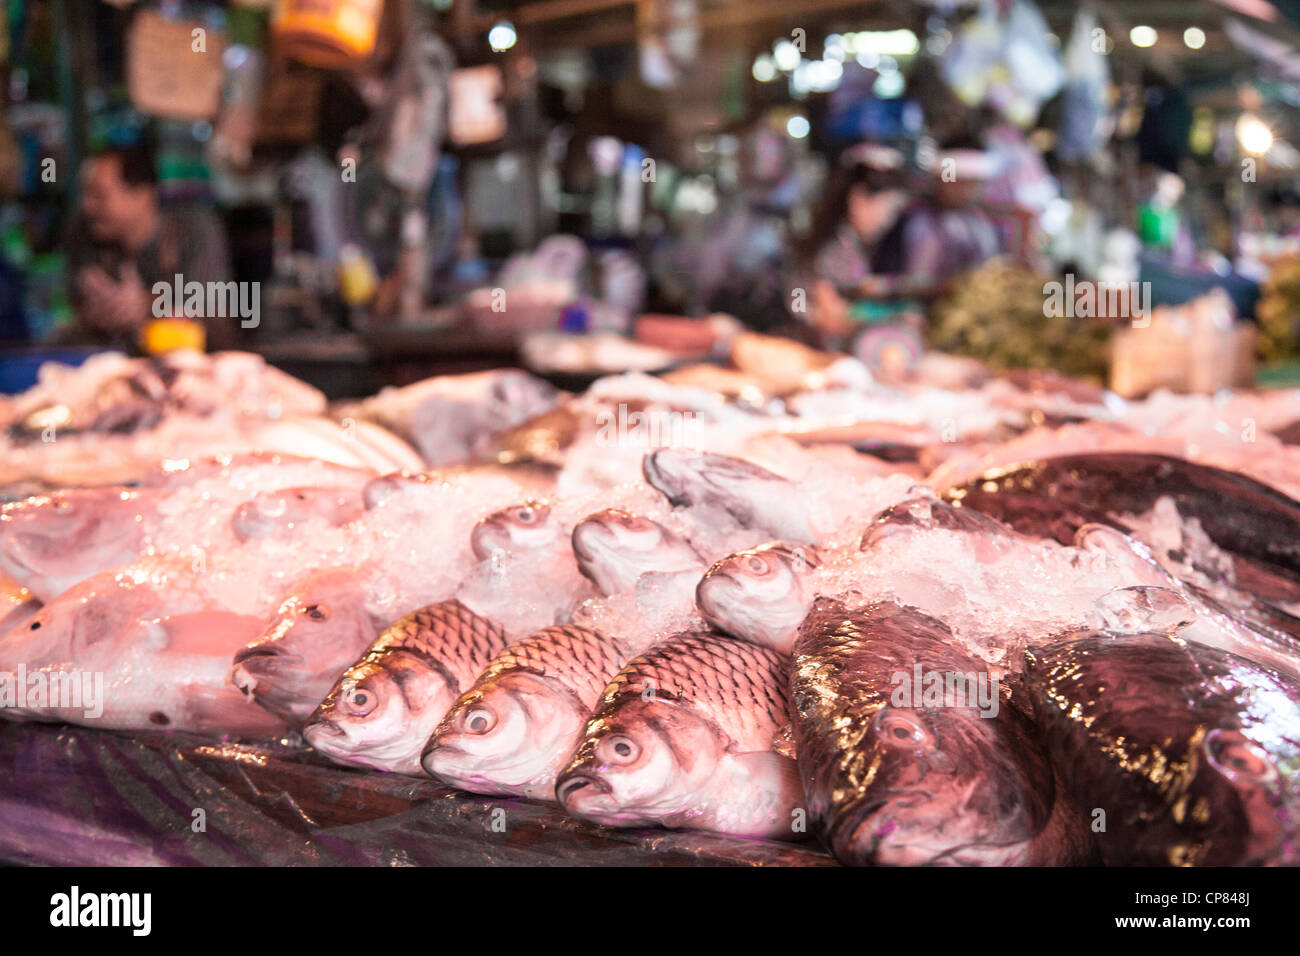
x: 1188, y: 755
x: 954, y: 779
x: 1054, y: 497
x: 542, y: 439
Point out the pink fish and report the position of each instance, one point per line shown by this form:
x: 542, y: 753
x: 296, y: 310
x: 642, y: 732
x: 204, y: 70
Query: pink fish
x: 142, y: 648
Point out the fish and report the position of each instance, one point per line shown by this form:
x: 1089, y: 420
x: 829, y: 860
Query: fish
x: 321, y: 627
x: 760, y: 595
x: 937, y: 781
x: 686, y: 736
x: 527, y: 527
x: 733, y: 489
x: 541, y: 439
x: 1191, y: 753
x: 453, y: 418
x: 156, y: 643
x: 48, y: 543
x: 253, y: 471
x: 615, y: 547
x: 1258, y: 525
x: 514, y: 730
x: 399, y: 489
x: 1243, y: 631
x: 382, y: 711
x: 277, y: 512
x: 16, y: 604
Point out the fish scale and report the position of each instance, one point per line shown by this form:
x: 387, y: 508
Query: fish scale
x: 447, y: 632
x: 577, y: 657
x: 897, y: 781
x: 739, y: 686
x: 1191, y: 749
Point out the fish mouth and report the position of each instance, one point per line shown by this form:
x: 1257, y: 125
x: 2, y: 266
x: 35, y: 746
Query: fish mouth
x: 578, y: 783
x: 581, y: 542
x: 661, y: 479
x: 716, y: 595
x: 253, y: 652
x: 323, y: 730
x: 860, y: 834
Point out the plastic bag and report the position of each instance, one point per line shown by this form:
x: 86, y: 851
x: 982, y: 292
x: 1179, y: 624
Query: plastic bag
x: 1083, y: 127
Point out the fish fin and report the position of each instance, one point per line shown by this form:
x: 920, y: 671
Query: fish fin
x: 218, y: 633
x: 783, y: 742
x: 774, y: 794
x: 221, y: 710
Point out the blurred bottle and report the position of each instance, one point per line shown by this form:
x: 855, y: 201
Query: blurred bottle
x: 356, y: 273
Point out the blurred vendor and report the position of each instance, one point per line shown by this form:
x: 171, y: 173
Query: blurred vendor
x: 950, y: 234
x: 124, y: 241
x: 856, y: 247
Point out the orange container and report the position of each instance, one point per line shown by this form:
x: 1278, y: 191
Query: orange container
x: 331, y: 34
x: 159, y: 336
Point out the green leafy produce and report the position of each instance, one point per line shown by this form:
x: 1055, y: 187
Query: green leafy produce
x: 1278, y: 312
x: 996, y: 314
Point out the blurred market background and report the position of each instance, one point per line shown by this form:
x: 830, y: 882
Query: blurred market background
x: 401, y: 188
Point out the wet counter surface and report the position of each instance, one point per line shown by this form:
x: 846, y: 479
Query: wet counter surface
x: 80, y: 797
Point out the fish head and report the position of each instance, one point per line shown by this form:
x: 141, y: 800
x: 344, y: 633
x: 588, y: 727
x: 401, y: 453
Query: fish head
x: 759, y: 595
x: 269, y: 513
x: 373, y: 715
x: 317, y: 631
x: 506, y: 736
x: 639, y: 763
x: 51, y: 542
x: 526, y: 527
x: 614, y: 548
x: 687, y: 478
x: 945, y: 789
x: 1247, y: 776
x: 96, y: 625
x: 68, y: 629
x: 391, y: 490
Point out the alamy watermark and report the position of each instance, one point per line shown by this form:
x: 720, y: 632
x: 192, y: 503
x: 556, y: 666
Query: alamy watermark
x: 209, y: 300
x: 654, y: 429
x: 77, y: 909
x: 922, y: 688
x: 41, y: 690
x: 1098, y: 300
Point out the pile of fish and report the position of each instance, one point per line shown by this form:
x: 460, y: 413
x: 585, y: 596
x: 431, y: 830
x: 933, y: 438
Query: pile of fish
x: 112, y: 418
x: 954, y: 620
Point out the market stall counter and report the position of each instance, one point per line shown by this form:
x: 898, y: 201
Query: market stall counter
x: 80, y: 797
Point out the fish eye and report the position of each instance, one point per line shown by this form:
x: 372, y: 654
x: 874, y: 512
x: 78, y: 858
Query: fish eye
x: 525, y: 515
x: 896, y: 729
x: 756, y: 563
x: 62, y: 505
x: 1236, y: 757
x: 619, y: 749
x: 359, y: 701
x: 479, y: 720
x: 317, y: 612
